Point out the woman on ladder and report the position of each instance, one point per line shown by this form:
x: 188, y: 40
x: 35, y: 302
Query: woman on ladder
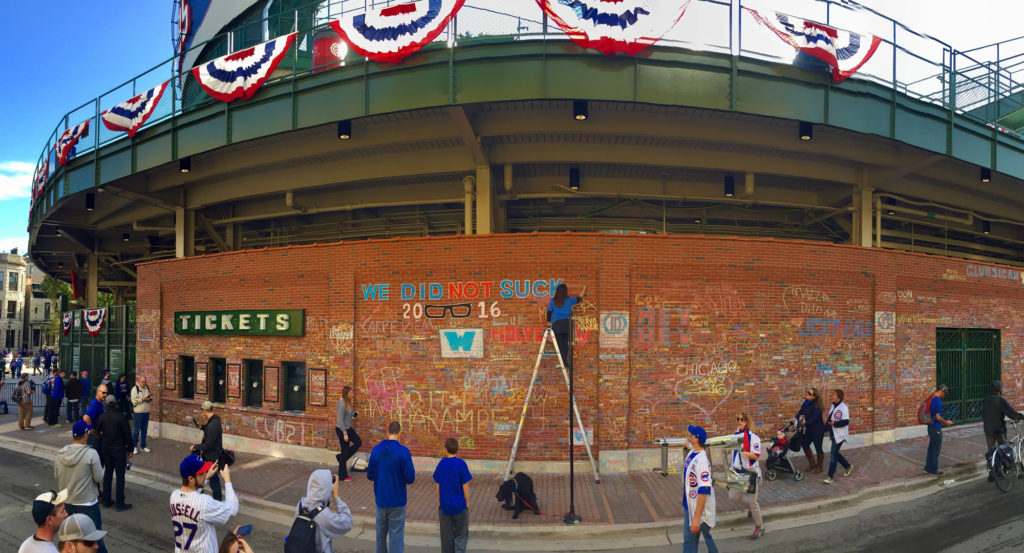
x: 559, y: 314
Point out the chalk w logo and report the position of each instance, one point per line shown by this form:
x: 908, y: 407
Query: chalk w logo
x: 462, y: 342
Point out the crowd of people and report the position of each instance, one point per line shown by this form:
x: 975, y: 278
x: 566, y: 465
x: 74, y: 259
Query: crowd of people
x: 14, y: 361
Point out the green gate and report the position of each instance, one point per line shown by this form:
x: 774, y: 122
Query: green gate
x: 967, y: 360
x: 112, y: 348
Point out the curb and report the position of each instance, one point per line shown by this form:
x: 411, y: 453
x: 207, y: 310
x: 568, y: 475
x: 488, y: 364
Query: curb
x: 559, y: 537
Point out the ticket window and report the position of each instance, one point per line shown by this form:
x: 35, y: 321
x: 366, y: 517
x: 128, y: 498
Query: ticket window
x: 188, y: 377
x: 253, y: 382
x: 294, y: 385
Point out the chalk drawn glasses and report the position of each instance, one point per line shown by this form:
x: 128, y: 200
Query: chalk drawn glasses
x: 457, y: 311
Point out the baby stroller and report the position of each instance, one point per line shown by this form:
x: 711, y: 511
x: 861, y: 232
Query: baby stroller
x: 777, y: 454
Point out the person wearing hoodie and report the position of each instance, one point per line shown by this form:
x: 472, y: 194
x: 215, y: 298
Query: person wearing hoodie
x: 390, y: 469
x: 330, y: 523
x: 73, y: 389
x: 77, y: 469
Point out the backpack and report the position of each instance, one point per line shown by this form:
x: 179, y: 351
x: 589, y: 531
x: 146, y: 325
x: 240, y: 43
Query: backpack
x: 16, y: 396
x: 924, y: 411
x: 302, y: 537
x: 47, y: 388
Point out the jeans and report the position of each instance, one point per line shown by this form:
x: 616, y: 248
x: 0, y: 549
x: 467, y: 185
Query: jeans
x: 391, y: 529
x: 835, y: 457
x: 347, y: 451
x: 93, y: 512
x: 215, y: 489
x: 563, y: 348
x: 454, y: 531
x: 691, y: 540
x: 52, y: 407
x: 815, y: 440
x: 73, y: 411
x: 931, y: 460
x: 141, y: 425
x: 114, y: 462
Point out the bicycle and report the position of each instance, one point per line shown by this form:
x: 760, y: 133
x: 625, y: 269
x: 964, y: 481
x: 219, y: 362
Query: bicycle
x: 1007, y: 461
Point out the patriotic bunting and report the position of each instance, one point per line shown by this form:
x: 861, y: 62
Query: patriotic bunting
x: 39, y: 181
x: 611, y: 26
x: 184, y: 30
x: 843, y: 50
x: 94, y: 320
x: 65, y: 322
x: 240, y: 75
x: 392, y: 33
x: 69, y: 139
x: 131, y: 115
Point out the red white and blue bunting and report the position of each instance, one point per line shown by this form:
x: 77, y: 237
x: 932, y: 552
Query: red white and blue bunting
x: 238, y: 76
x: 65, y: 322
x: 131, y: 115
x: 611, y: 26
x: 69, y: 139
x: 39, y: 181
x: 389, y: 34
x: 843, y: 50
x: 184, y: 30
x: 94, y: 320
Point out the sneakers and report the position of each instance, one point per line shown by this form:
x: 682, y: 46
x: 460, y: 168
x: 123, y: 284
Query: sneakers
x: 828, y: 480
x: 936, y: 473
x: 849, y: 469
x: 135, y: 451
x: 757, y: 533
x: 146, y: 450
x: 124, y: 507
x: 349, y: 479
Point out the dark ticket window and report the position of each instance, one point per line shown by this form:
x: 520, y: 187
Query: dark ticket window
x: 188, y: 377
x: 253, y: 383
x: 219, y: 376
x: 294, y: 386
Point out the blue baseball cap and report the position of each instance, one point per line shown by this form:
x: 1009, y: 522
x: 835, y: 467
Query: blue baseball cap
x: 699, y: 433
x: 193, y: 465
x: 79, y: 429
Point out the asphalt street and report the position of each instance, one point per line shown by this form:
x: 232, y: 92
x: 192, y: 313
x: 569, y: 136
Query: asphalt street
x: 966, y: 517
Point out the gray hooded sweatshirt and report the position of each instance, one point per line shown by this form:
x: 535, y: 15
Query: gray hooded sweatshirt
x: 77, y: 468
x: 330, y: 523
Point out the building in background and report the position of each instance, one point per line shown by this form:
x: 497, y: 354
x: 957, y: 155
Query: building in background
x: 38, y: 309
x: 13, y: 267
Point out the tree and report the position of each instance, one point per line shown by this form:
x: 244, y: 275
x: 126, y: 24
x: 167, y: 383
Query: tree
x: 54, y: 288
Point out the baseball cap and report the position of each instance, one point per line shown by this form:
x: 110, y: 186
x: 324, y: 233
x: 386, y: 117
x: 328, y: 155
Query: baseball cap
x: 79, y: 429
x: 45, y: 503
x: 699, y: 433
x: 79, y: 527
x: 193, y: 465
x: 997, y: 384
x: 110, y: 400
x: 207, y: 406
x: 941, y: 388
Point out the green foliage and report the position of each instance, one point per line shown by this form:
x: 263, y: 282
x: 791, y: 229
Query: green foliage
x: 54, y: 288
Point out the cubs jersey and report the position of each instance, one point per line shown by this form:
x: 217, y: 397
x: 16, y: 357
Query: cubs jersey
x: 697, y: 475
x: 839, y: 412
x: 194, y: 515
x: 751, y: 444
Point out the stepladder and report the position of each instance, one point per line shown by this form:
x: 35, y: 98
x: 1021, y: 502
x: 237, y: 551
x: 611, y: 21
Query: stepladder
x: 549, y: 335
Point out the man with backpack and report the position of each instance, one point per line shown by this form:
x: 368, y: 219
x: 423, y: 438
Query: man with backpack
x: 994, y: 410
x: 316, y: 524
x: 935, y: 424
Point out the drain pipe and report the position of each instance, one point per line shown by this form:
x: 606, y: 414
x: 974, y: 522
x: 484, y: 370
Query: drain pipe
x: 468, y: 184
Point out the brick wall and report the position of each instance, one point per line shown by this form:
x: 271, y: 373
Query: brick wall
x: 674, y: 330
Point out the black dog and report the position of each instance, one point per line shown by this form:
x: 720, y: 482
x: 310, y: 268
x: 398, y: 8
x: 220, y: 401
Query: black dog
x: 517, y: 494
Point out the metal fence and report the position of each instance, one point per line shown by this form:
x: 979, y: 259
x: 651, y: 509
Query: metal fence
x: 983, y: 84
x: 38, y: 400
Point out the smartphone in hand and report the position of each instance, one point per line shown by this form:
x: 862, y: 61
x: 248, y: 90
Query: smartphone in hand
x: 244, y: 530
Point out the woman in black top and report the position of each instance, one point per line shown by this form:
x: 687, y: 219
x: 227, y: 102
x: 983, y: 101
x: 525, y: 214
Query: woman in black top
x: 811, y: 413
x: 559, y: 314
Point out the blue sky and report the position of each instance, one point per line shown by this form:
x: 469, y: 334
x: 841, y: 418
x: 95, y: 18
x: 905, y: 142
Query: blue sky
x: 60, y: 54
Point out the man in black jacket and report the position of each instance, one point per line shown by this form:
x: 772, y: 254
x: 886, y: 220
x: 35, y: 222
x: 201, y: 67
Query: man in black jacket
x: 994, y: 409
x: 115, y: 434
x: 211, y: 446
x: 73, y: 391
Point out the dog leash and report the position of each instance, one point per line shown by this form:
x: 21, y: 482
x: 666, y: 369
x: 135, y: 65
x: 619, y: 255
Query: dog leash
x: 534, y: 510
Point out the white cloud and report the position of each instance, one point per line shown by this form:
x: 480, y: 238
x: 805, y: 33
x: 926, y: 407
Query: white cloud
x: 7, y: 244
x: 15, y: 179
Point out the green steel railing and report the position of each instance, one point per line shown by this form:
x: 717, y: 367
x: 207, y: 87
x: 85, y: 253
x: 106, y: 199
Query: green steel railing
x: 984, y: 84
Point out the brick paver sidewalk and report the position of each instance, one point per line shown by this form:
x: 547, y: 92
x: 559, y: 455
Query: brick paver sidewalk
x: 636, y: 497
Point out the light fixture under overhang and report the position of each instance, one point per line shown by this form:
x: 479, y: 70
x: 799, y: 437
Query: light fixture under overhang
x: 730, y: 186
x: 580, y: 110
x: 345, y: 129
x: 90, y: 201
x: 985, y: 174
x: 185, y: 164
x: 806, y: 131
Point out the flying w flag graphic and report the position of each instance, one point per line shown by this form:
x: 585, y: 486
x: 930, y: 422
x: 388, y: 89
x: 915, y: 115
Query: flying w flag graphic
x: 391, y: 34
x: 844, y: 51
x: 69, y: 139
x: 238, y: 76
x: 611, y: 26
x: 131, y: 115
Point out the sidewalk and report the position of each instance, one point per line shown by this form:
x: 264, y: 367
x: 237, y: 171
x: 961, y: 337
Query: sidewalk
x: 640, y: 500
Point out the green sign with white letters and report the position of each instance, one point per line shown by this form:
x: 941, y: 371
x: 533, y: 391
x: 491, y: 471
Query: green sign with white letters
x: 254, y: 322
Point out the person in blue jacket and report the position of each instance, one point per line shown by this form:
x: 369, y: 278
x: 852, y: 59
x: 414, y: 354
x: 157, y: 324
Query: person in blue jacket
x: 57, y: 393
x: 559, y: 314
x: 390, y: 469
x: 811, y: 413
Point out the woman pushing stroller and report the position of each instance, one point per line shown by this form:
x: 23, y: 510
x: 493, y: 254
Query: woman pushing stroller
x: 811, y: 414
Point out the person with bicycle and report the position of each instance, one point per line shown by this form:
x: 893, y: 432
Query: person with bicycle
x: 994, y: 410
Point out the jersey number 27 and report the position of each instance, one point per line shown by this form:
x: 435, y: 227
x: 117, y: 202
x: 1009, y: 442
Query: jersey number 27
x: 179, y: 529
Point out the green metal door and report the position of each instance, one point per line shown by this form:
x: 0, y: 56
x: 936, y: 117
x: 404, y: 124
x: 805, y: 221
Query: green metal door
x: 967, y: 360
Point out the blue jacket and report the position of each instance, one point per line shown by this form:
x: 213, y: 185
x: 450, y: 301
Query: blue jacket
x: 390, y: 469
x: 86, y: 387
x: 58, y: 388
